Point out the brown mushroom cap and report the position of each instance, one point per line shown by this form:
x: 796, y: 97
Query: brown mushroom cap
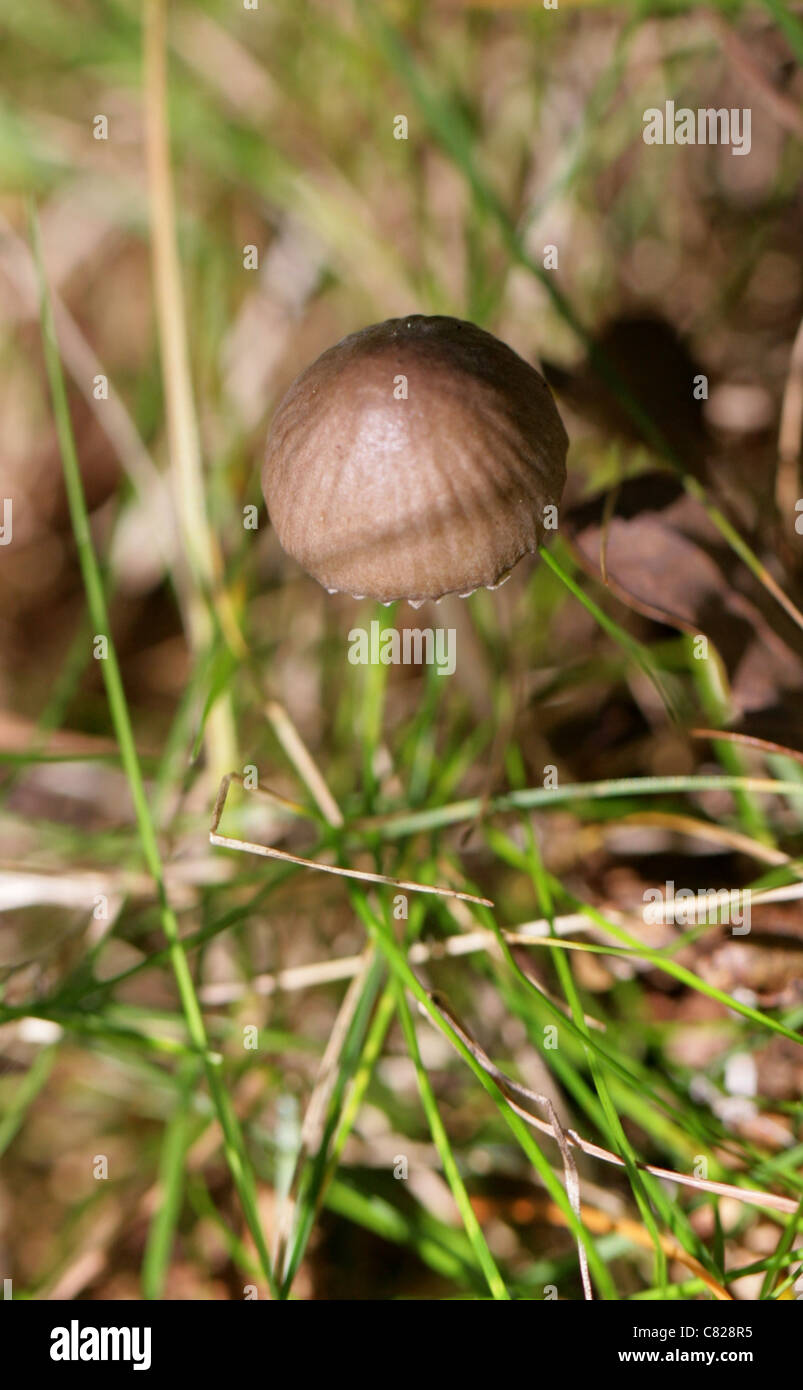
x: 444, y: 491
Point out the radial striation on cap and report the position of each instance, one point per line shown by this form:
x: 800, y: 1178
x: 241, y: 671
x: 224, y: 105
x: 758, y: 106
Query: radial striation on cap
x: 414, y: 459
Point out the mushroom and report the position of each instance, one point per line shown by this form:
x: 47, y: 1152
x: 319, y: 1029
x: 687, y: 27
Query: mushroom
x: 414, y: 459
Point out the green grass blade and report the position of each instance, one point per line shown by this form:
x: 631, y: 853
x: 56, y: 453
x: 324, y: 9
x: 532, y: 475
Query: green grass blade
x: 96, y: 600
x: 485, y: 1259
x: 162, y: 1229
x: 27, y: 1091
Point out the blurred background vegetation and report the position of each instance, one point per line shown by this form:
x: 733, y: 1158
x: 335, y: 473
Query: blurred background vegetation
x: 134, y: 955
